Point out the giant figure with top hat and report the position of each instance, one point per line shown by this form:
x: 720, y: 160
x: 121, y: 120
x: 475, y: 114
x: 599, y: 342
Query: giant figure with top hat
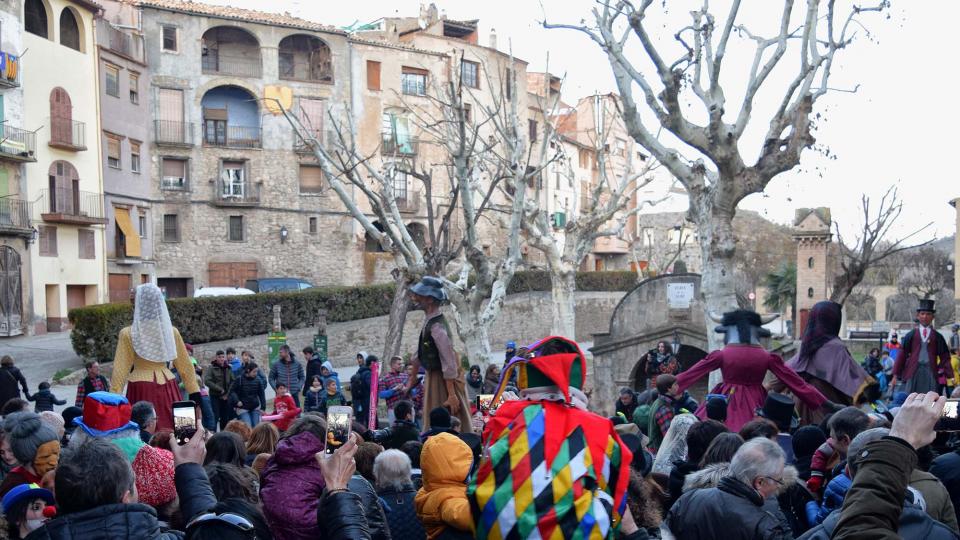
x: 924, y: 363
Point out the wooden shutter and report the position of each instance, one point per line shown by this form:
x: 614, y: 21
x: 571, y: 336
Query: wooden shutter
x: 113, y: 149
x: 311, y: 179
x: 48, y: 241
x: 373, y: 75
x: 311, y: 115
x: 87, y: 247
x: 171, y: 104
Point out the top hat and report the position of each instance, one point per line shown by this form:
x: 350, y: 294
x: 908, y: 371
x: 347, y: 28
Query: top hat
x: 779, y: 408
x: 430, y: 286
x: 926, y: 304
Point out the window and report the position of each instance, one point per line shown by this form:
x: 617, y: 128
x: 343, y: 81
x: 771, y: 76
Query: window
x: 373, y: 75
x: 113, y: 151
x: 87, y: 247
x: 395, y: 128
x: 810, y: 262
x: 135, y: 156
x: 170, y: 38
x: 233, y: 179
x: 235, y: 232
x: 135, y: 88
x: 171, y: 228
x: 620, y: 147
x: 399, y: 185
x: 532, y: 129
x: 810, y: 292
x: 113, y: 80
x: 311, y: 179
x: 509, y: 79
x: 48, y: 241
x: 470, y: 74
x: 35, y: 18
x: 312, y: 225
x: 583, y: 156
x: 413, y: 81
x: 467, y: 113
x: 69, y: 29
x: 142, y: 224
x: 173, y: 173
x: 311, y: 116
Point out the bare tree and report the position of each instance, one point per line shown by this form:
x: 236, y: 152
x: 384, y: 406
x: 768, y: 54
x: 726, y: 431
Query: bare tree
x: 925, y: 272
x: 659, y: 250
x: 686, y: 88
x: 871, y: 245
x: 473, y: 177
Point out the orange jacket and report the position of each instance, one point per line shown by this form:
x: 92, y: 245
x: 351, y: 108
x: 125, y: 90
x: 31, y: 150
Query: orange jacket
x: 442, y: 501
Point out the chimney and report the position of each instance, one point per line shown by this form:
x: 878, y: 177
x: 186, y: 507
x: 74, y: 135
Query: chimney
x: 493, y: 38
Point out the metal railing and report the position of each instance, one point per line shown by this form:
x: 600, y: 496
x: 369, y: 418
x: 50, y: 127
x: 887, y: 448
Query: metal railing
x: 10, y: 74
x: 173, y: 132
x: 227, y: 64
x: 14, y: 213
x: 236, y: 193
x: 18, y: 143
x: 121, y: 41
x: 71, y: 202
x: 174, y: 183
x: 67, y: 133
x: 393, y: 147
x: 233, y: 137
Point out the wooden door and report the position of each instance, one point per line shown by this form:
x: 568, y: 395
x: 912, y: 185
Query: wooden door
x: 120, y: 285
x: 11, y: 293
x: 232, y: 274
x: 76, y: 296
x: 61, y: 116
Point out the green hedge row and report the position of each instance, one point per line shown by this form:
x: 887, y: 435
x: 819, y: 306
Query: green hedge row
x: 206, y: 319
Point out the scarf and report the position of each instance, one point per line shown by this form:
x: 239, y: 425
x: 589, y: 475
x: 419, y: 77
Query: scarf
x: 152, y: 331
x: 824, y: 325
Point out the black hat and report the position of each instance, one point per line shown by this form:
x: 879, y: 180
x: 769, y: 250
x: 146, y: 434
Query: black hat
x: 430, y: 286
x: 779, y: 409
x: 642, y: 460
x: 440, y: 418
x: 926, y: 304
x: 717, y: 408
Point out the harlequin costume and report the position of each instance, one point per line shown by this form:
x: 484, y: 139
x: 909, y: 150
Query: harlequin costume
x: 145, y: 350
x: 550, y: 468
x: 743, y: 367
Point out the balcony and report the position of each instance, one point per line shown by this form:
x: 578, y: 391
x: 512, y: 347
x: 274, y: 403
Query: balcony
x: 67, y: 134
x: 173, y: 133
x: 227, y: 136
x: 17, y: 144
x: 611, y: 245
x: 393, y: 146
x: 70, y: 206
x: 122, y: 42
x: 409, y: 203
x: 233, y: 193
x: 214, y: 63
x: 174, y: 183
x: 15, y: 217
x: 9, y: 70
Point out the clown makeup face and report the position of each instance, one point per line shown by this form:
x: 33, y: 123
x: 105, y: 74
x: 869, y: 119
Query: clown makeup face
x: 48, y: 455
x: 33, y: 519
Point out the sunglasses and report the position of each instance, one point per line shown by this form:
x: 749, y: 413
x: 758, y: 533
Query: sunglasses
x: 233, y: 520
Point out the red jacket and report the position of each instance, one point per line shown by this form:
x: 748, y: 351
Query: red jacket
x: 907, y: 361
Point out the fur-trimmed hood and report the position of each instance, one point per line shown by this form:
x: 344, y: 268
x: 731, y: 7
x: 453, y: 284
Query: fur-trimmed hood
x: 710, y: 476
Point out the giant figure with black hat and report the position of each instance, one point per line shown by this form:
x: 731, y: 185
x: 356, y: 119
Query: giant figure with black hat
x: 744, y: 363
x: 444, y: 384
x: 924, y: 362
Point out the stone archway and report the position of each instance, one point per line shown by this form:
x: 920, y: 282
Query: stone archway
x: 657, y: 309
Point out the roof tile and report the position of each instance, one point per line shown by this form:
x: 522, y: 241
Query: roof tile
x: 228, y: 12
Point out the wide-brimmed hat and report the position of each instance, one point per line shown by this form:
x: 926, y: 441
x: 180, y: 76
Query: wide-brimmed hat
x: 430, y: 286
x: 105, y: 413
x: 926, y: 304
x: 779, y: 408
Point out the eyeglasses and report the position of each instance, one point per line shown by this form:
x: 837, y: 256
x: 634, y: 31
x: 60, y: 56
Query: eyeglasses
x: 778, y: 481
x: 234, y: 520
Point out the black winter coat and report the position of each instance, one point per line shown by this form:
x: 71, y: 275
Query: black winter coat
x: 10, y: 382
x: 376, y: 518
x: 678, y: 474
x: 401, y: 513
x: 45, y: 400
x: 108, y: 522
x: 394, y: 436
x: 730, y: 511
x: 250, y: 392
x: 314, y: 365
x: 947, y: 469
x: 340, y: 517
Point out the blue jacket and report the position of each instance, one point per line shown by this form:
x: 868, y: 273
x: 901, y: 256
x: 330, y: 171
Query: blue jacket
x: 833, y: 497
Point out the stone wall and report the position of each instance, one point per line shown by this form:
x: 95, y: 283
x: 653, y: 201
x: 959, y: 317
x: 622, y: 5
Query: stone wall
x: 524, y: 319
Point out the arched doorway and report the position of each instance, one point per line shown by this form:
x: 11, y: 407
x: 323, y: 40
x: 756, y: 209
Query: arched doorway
x: 11, y: 293
x: 305, y: 58
x: 688, y: 356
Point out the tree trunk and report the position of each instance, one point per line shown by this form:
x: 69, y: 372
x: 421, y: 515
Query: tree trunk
x: 397, y: 318
x: 718, y: 283
x: 563, y: 287
x: 475, y: 338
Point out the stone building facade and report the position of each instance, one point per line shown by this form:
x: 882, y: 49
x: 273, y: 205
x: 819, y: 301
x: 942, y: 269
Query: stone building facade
x: 813, y: 238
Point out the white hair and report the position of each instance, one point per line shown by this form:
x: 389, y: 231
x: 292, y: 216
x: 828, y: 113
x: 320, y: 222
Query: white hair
x: 391, y: 469
x: 757, y: 457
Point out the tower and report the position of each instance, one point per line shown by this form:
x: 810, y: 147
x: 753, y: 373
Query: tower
x: 812, y: 235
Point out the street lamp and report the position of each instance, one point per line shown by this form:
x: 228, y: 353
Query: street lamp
x: 283, y: 234
x: 675, y: 344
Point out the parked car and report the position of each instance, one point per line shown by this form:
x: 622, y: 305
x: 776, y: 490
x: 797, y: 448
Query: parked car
x: 221, y: 291
x: 277, y: 284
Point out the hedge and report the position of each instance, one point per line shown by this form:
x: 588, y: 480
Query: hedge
x: 220, y: 318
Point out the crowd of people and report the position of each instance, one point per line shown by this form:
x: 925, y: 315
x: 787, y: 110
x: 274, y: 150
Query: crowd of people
x: 827, y: 448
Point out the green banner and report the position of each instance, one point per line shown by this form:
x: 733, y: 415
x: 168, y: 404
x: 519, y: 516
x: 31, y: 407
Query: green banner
x: 275, y: 340
x: 320, y: 346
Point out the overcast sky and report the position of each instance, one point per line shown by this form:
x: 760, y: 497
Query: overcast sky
x: 899, y: 128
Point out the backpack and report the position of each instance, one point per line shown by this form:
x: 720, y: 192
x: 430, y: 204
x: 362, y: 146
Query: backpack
x: 549, y: 468
x: 360, y: 385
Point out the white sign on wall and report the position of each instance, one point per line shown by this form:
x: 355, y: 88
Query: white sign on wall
x: 679, y: 295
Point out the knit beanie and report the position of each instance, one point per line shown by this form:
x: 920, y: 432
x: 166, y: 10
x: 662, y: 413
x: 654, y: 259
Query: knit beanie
x: 717, y: 409
x: 806, y: 440
x: 69, y: 414
x: 26, y: 432
x: 440, y: 418
x: 153, y: 471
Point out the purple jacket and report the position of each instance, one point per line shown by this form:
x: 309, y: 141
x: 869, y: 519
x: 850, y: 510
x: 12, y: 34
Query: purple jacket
x: 291, y: 486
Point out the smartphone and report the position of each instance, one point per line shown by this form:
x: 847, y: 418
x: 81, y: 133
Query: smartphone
x: 184, y: 421
x: 339, y: 420
x: 950, y: 419
x: 485, y: 402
